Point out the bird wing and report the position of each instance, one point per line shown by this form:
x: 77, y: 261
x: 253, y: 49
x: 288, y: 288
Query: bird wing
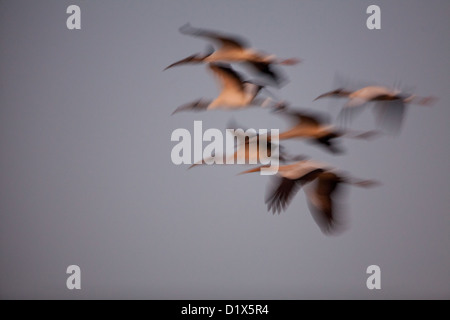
x: 230, y: 80
x: 198, y: 105
x: 328, y: 142
x: 279, y: 197
x: 268, y: 70
x: 351, y: 110
x: 390, y: 115
x: 227, y: 42
x: 321, y: 200
x: 306, y: 118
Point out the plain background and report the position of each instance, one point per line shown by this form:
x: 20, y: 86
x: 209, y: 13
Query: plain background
x: 86, y: 176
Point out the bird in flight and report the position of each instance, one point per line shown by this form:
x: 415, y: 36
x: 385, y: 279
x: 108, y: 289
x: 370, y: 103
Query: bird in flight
x: 235, y: 94
x: 248, y: 148
x: 321, y: 183
x: 234, y: 49
x: 390, y: 105
x: 316, y: 129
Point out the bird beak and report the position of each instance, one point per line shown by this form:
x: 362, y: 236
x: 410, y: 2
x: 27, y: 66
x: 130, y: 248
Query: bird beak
x: 253, y: 170
x: 192, y: 58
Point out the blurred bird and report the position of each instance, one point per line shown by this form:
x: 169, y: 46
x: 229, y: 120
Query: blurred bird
x: 249, y: 152
x: 314, y: 127
x: 390, y: 108
x: 322, y: 184
x: 236, y: 93
x: 234, y: 49
x: 248, y: 149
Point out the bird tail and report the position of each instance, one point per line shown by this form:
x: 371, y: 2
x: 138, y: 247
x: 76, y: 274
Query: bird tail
x: 426, y: 101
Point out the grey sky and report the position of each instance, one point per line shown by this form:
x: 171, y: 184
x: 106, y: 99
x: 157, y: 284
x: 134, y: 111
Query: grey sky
x: 86, y: 176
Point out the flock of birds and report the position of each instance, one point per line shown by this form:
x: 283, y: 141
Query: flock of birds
x: 320, y: 181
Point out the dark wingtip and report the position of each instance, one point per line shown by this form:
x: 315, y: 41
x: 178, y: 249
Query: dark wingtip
x: 280, y: 107
x: 368, y: 183
x: 185, y: 26
x: 320, y: 97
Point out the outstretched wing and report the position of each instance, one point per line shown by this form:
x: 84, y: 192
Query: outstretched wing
x: 280, y: 196
x: 225, y: 41
x: 305, y: 118
x: 329, y: 143
x: 268, y: 70
x: 322, y: 202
